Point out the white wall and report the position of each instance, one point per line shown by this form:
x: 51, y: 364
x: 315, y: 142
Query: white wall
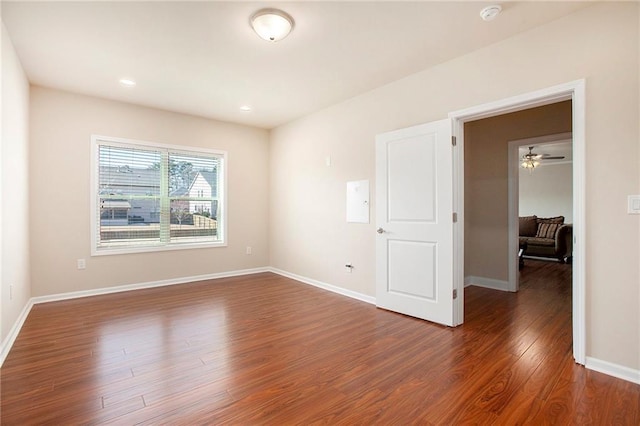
x: 61, y: 127
x: 14, y: 257
x: 547, y: 191
x: 308, y: 233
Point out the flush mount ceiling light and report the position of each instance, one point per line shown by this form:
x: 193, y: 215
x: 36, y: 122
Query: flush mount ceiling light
x: 271, y: 24
x: 245, y: 108
x: 489, y: 13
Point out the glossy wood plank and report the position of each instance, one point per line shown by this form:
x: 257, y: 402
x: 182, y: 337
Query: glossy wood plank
x: 263, y: 349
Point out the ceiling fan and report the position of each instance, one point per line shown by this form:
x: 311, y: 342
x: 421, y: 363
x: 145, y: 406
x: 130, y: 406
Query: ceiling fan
x: 532, y: 160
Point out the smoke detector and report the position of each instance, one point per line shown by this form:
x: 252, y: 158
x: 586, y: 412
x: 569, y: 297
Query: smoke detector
x: 489, y: 13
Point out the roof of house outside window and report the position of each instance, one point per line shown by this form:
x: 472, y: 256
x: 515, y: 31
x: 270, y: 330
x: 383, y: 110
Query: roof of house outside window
x: 115, y: 204
x: 210, y: 177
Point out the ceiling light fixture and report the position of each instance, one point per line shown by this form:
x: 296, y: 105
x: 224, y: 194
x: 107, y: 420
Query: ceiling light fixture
x: 530, y: 160
x: 489, y: 13
x: 245, y: 108
x: 127, y: 82
x: 271, y: 24
x: 530, y: 164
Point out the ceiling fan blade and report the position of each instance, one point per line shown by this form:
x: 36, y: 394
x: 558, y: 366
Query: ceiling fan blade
x: 531, y: 157
x: 548, y: 157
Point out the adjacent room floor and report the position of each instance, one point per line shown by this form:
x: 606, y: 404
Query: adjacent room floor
x: 266, y: 349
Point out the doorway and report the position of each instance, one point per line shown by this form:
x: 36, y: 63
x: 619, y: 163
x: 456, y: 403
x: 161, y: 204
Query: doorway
x: 541, y: 192
x: 491, y: 168
x: 575, y: 93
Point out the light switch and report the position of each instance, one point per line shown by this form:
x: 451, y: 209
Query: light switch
x: 634, y: 204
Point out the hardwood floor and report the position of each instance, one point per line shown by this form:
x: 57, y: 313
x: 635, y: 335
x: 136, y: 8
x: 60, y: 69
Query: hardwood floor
x: 263, y: 349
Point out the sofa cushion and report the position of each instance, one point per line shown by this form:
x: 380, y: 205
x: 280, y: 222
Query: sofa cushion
x: 557, y: 219
x: 528, y: 226
x: 547, y: 230
x: 545, y: 242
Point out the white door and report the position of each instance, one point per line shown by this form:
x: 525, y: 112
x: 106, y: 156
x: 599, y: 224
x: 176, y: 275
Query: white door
x: 414, y: 214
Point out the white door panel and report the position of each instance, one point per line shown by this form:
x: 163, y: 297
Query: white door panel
x: 411, y: 183
x: 414, y: 248
x: 412, y: 268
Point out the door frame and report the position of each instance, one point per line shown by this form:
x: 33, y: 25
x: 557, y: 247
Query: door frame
x: 514, y: 196
x: 576, y: 92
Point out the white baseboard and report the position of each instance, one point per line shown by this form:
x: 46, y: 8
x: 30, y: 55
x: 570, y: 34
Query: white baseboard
x: 150, y: 284
x: 486, y: 283
x: 615, y: 370
x: 325, y: 286
x: 541, y: 258
x: 8, y: 341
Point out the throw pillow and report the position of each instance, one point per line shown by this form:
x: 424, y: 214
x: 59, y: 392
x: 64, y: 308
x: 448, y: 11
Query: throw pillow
x: 528, y: 226
x: 547, y: 230
x: 557, y: 219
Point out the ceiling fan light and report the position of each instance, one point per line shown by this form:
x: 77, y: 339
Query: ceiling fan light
x: 271, y: 24
x: 529, y: 163
x: 530, y: 160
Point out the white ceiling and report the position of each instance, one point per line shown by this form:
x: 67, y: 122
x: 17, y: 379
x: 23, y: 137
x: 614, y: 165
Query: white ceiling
x: 203, y: 58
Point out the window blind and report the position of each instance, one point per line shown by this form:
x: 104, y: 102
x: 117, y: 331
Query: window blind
x: 150, y: 197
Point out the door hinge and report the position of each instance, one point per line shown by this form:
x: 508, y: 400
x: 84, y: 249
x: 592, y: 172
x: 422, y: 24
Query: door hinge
x: 453, y: 140
x: 455, y: 217
x: 455, y: 293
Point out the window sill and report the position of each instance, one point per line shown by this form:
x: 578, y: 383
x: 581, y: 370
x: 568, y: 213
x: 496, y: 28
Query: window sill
x: 151, y: 249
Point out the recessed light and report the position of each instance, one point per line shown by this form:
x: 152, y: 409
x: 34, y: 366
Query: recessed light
x: 489, y: 13
x: 245, y: 108
x: 127, y: 82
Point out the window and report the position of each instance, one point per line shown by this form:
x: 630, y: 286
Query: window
x: 148, y: 197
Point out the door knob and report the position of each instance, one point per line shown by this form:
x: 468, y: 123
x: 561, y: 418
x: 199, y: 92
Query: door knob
x: 380, y: 230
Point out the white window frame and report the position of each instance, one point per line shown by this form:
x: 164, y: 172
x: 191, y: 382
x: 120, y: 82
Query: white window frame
x: 96, y: 141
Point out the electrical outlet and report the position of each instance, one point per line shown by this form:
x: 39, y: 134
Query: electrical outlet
x: 349, y: 267
x: 82, y: 264
x: 248, y: 249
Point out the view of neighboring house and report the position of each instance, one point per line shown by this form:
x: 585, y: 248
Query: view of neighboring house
x: 114, y: 212
x: 130, y: 183
x: 204, y: 185
x: 138, y: 188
